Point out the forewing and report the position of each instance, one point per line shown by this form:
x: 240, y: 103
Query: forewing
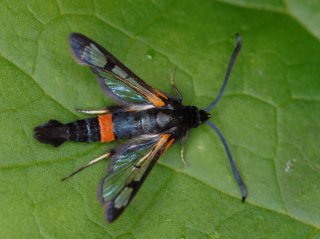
x: 115, y: 78
x: 130, y: 165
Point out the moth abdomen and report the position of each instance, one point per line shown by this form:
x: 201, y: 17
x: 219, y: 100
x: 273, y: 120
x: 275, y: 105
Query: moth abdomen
x: 87, y: 130
x: 56, y: 133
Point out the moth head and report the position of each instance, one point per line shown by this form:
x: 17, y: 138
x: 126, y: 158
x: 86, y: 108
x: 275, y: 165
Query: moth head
x: 204, y: 116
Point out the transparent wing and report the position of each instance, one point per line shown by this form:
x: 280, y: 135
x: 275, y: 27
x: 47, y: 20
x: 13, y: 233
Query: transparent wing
x: 115, y: 78
x: 130, y: 165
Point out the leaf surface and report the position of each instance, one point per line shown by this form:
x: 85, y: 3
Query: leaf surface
x: 269, y: 116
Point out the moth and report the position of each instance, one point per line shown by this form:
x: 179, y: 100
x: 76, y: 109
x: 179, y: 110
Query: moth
x: 150, y: 120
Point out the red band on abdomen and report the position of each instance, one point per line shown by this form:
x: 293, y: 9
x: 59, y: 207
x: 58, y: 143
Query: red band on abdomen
x: 106, y: 128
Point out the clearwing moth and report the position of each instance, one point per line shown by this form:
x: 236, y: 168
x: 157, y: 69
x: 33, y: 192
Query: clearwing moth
x: 150, y: 120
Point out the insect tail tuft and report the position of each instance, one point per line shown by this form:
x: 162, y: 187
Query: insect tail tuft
x: 53, y: 132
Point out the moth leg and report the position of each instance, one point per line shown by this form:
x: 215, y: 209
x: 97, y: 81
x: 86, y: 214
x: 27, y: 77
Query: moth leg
x: 92, y: 162
x: 93, y: 112
x: 183, y: 142
x: 174, y: 87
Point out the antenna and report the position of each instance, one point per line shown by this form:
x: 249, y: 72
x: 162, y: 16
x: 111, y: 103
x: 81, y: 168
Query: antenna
x: 226, y: 78
x: 233, y: 166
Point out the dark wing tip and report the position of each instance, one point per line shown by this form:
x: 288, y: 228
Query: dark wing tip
x: 87, y: 52
x: 112, y: 213
x: 78, y: 42
x: 74, y: 35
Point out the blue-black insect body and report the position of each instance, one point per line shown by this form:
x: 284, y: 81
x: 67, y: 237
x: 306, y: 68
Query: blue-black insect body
x: 150, y: 121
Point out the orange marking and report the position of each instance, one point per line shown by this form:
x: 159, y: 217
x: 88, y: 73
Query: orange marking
x: 163, y: 140
x: 106, y: 128
x: 156, y: 101
x: 160, y: 93
x: 169, y: 144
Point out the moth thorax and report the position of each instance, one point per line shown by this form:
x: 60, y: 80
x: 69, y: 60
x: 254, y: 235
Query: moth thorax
x: 163, y: 119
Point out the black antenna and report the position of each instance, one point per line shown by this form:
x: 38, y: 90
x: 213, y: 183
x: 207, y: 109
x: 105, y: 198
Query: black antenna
x: 233, y: 166
x: 226, y: 78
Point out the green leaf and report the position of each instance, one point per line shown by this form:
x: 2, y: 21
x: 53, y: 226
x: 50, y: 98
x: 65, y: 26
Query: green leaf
x: 269, y: 115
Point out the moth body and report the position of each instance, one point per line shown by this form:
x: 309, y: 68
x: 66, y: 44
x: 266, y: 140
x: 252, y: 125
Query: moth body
x: 122, y: 125
x: 149, y: 120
